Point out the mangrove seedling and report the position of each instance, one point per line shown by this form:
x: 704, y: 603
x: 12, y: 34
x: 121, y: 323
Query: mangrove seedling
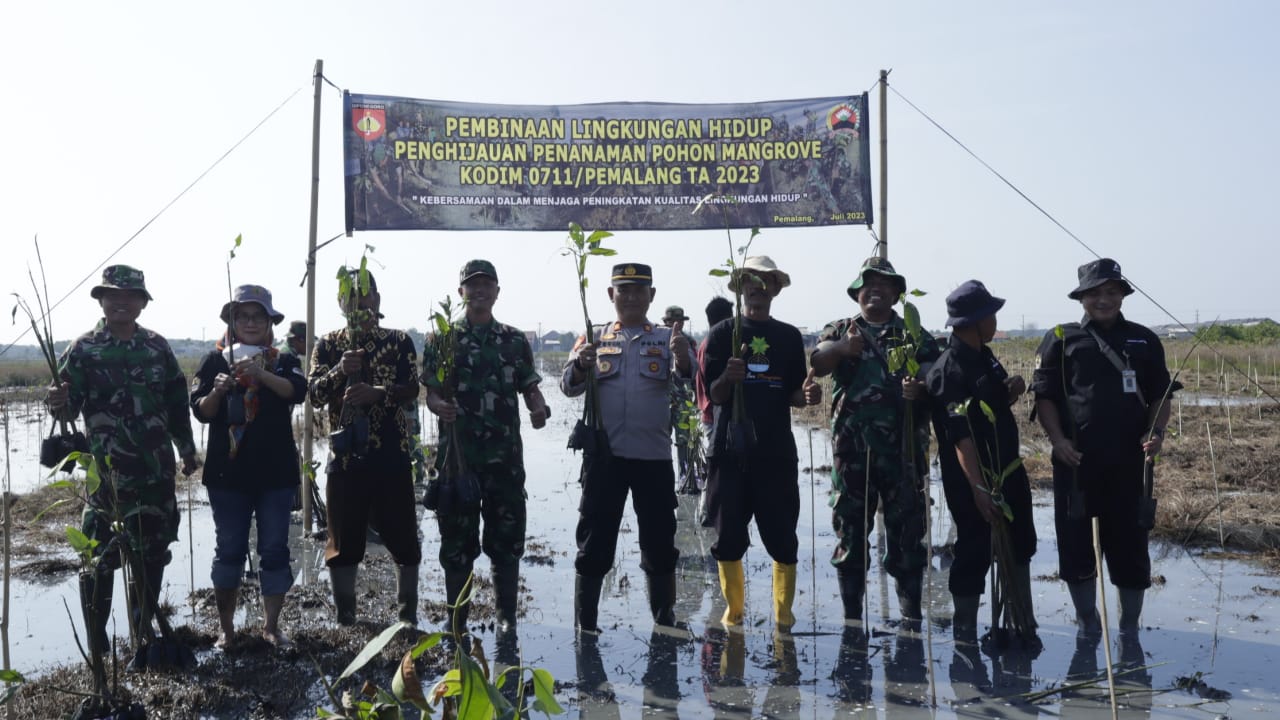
x: 588, y: 434
x: 456, y: 488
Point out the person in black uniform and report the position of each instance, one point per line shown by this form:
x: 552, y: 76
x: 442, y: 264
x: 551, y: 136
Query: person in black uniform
x: 969, y: 442
x: 1102, y: 395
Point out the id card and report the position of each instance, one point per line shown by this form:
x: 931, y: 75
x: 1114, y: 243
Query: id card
x: 1129, y: 379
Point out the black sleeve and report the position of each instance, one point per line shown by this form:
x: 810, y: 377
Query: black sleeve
x: 1046, y: 381
x: 947, y: 391
x: 797, y: 367
x: 210, y: 365
x: 718, y: 352
x: 289, y: 367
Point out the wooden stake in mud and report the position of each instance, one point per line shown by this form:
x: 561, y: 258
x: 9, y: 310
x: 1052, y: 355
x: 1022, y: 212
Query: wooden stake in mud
x: 1217, y: 495
x: 308, y: 413
x: 1106, y: 625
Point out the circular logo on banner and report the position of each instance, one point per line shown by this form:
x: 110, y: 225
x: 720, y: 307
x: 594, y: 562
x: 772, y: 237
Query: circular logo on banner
x: 843, y: 117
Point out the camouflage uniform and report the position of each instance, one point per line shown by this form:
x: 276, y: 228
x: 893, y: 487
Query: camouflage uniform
x: 868, y: 418
x: 493, y: 365
x: 134, y: 399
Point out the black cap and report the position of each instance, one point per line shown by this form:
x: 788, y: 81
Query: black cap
x: 1099, y: 272
x: 970, y: 303
x: 632, y: 274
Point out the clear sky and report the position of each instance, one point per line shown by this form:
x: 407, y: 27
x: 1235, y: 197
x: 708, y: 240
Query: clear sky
x: 1147, y: 128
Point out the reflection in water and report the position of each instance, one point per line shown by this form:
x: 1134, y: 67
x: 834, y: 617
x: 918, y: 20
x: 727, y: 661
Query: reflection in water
x: 783, y: 697
x: 595, y: 696
x: 852, y: 673
x: 1133, y: 680
x: 724, y: 660
x: 661, y: 688
x: 905, y: 676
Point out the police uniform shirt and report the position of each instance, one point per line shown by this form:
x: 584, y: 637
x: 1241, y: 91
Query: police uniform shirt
x: 1089, y: 390
x: 633, y: 369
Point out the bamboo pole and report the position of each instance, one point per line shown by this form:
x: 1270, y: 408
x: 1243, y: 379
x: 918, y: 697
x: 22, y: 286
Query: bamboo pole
x: 884, y: 165
x: 308, y: 413
x: 4, y: 611
x: 1106, y: 625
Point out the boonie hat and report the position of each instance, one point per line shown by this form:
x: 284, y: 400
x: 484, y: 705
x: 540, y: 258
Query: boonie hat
x: 253, y: 294
x: 297, y: 329
x: 477, y: 267
x: 631, y: 274
x: 120, y: 277
x: 763, y: 267
x: 880, y: 266
x: 970, y: 303
x: 1099, y: 272
x: 673, y: 313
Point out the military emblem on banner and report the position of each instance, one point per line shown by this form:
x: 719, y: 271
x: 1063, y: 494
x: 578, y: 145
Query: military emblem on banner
x: 844, y: 117
x: 369, y: 123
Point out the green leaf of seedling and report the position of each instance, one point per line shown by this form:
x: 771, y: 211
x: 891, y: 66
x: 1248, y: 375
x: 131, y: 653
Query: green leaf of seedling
x: 607, y: 252
x: 575, y: 233
x: 754, y: 232
x: 911, y: 318
x: 440, y: 373
x: 987, y: 411
x: 544, y: 693
x: 718, y: 272
x: 585, y: 280
x: 913, y: 367
x: 918, y: 293
x: 1058, y: 332
x: 81, y: 543
x: 598, y: 236
x: 11, y: 676
x: 53, y: 505
x: 1008, y: 511
x: 473, y: 697
x: 372, y: 649
x: 1011, y: 467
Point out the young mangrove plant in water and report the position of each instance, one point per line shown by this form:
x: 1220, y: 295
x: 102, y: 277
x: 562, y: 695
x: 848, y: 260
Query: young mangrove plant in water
x: 741, y: 436
x: 472, y: 691
x: 905, y: 360
x: 456, y: 488
x: 352, y: 437
x: 588, y: 434
x: 1011, y: 611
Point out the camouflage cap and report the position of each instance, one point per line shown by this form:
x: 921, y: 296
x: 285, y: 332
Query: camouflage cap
x: 477, y: 267
x: 879, y: 266
x: 297, y: 329
x: 120, y: 277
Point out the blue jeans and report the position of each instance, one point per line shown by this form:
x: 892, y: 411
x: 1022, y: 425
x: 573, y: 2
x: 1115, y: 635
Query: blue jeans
x: 232, y: 511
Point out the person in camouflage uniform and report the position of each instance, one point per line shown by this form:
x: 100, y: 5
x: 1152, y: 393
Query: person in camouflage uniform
x: 492, y: 364
x: 869, y: 445
x: 365, y: 375
x: 126, y: 382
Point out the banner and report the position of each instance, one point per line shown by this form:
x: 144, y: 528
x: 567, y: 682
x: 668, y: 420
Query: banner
x: 438, y: 165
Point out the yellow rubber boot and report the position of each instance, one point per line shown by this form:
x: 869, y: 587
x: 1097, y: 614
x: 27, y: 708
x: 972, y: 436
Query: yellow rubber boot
x: 784, y: 594
x: 733, y: 585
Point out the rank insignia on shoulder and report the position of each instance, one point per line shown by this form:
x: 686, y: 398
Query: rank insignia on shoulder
x: 648, y: 327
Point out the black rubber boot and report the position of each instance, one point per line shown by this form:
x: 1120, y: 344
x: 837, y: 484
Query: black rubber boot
x: 852, y: 586
x: 343, y: 580
x: 144, y: 593
x: 662, y: 598
x: 909, y: 592
x: 586, y: 602
x: 407, y: 593
x: 506, y: 591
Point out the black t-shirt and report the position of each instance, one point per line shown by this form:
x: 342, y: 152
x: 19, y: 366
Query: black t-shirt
x: 1088, y: 389
x: 267, y: 456
x: 775, y: 370
x: 964, y: 373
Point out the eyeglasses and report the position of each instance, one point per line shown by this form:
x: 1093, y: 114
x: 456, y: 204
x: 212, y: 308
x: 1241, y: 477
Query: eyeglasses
x: 246, y: 318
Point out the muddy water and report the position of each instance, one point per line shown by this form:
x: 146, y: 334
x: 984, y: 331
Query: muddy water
x: 1212, y: 616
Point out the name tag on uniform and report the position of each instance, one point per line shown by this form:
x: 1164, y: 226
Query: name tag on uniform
x: 609, y: 350
x: 1129, y: 379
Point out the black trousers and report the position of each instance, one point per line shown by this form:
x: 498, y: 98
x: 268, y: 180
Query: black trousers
x: 765, y: 488
x: 973, y: 534
x: 1112, y: 488
x: 604, y: 497
x: 382, y: 495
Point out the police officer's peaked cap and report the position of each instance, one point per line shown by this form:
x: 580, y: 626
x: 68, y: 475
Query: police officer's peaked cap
x: 970, y: 303
x: 880, y: 266
x: 120, y: 277
x: 476, y: 268
x: 631, y: 274
x: 1099, y: 272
